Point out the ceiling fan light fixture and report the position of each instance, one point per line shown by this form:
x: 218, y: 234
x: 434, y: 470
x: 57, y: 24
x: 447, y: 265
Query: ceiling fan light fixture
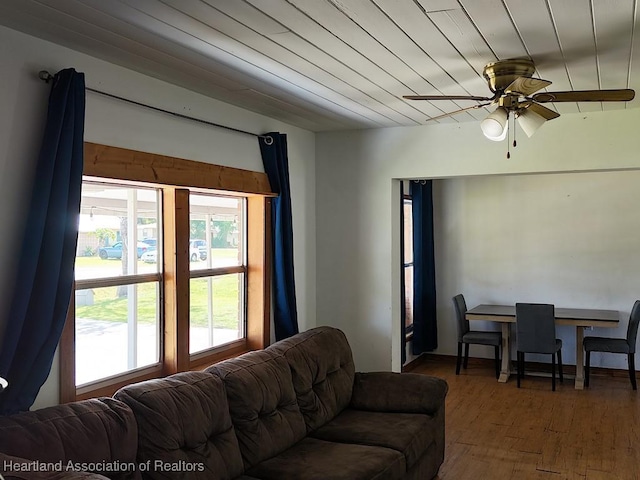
x: 514, y: 90
x: 530, y: 121
x: 494, y: 126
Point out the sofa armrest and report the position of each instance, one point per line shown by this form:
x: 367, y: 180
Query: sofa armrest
x: 398, y: 392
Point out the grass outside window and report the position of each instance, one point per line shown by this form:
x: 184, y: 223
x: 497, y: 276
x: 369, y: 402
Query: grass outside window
x: 108, y: 306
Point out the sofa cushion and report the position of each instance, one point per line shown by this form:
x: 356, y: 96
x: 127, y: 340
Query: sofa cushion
x: 314, y: 459
x: 322, y: 370
x: 398, y: 392
x: 408, y: 433
x: 93, y: 432
x: 184, y: 425
x: 262, y: 403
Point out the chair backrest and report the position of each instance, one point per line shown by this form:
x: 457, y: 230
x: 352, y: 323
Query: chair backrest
x: 535, y: 327
x: 460, y: 307
x: 632, y: 329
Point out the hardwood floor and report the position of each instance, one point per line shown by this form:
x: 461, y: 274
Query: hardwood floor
x: 496, y: 431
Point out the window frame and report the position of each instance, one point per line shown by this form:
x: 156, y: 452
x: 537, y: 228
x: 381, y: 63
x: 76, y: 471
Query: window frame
x: 174, y: 176
x: 408, y: 329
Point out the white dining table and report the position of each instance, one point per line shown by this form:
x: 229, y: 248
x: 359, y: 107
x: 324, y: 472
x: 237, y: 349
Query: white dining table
x: 577, y: 317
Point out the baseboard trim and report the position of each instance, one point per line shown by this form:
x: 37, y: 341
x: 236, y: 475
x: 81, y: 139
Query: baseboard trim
x: 569, y: 370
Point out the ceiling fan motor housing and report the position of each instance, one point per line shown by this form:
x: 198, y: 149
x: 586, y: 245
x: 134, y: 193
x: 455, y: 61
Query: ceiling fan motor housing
x: 501, y: 74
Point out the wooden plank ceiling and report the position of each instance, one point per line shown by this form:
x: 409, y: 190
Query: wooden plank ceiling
x: 344, y: 64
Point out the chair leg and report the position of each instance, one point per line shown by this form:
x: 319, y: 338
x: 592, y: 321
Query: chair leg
x: 553, y: 372
x: 587, y: 367
x: 560, y: 365
x: 459, y: 359
x: 497, y: 355
x: 520, y: 366
x: 632, y: 370
x: 466, y: 355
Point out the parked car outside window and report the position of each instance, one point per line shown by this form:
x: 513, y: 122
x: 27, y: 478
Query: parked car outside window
x: 150, y: 256
x: 115, y: 251
x: 152, y: 242
x: 197, y: 250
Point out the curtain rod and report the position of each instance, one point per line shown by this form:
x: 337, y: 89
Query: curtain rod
x: 47, y: 77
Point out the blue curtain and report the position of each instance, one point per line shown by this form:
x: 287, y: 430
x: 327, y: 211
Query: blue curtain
x: 425, y: 327
x: 44, y: 282
x: 273, y: 147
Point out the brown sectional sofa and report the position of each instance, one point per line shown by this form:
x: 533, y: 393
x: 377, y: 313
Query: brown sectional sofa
x: 296, y: 410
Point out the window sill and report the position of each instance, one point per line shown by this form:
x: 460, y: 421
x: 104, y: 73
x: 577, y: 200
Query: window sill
x: 202, y: 360
x: 108, y: 386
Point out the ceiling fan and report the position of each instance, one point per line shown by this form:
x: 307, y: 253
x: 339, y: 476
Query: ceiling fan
x: 514, y: 91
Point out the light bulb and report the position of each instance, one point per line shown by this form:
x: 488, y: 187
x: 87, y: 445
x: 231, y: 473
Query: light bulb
x: 494, y: 126
x: 530, y: 121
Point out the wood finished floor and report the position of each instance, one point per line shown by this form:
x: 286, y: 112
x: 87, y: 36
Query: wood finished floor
x: 496, y: 431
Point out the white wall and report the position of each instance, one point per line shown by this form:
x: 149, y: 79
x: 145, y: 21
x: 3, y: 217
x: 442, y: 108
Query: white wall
x: 570, y: 239
x: 358, y: 248
x: 24, y: 98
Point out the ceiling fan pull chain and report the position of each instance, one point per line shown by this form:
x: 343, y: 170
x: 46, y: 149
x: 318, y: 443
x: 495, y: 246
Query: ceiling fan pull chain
x: 508, y: 137
x: 515, y: 144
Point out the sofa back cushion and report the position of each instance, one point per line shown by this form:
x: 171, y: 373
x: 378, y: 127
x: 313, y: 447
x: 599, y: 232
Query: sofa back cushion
x: 262, y: 404
x: 90, y: 433
x: 185, y: 429
x: 322, y: 370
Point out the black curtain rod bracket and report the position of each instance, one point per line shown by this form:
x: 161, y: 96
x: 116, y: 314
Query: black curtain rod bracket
x: 47, y: 77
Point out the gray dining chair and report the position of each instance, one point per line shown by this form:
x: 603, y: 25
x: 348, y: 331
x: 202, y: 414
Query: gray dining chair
x: 536, y: 333
x: 616, y: 345
x: 467, y: 336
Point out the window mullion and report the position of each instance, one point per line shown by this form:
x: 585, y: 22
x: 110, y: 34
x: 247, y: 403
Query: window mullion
x: 176, y: 279
x: 258, y: 272
x: 214, y: 272
x: 116, y: 281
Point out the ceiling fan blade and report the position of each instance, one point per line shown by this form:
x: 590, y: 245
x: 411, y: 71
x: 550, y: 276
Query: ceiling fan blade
x: 622, y: 95
x: 455, y: 112
x: 446, y: 97
x: 545, y: 112
x: 526, y: 85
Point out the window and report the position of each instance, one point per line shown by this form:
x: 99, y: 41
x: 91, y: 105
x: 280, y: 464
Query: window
x: 193, y: 291
x: 218, y: 271
x: 407, y: 263
x: 117, y: 291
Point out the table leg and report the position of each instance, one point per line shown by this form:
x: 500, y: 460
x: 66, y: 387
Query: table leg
x: 579, y: 358
x: 505, y: 369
